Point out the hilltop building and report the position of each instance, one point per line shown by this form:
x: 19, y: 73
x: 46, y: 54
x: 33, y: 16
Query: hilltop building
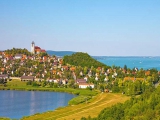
x: 36, y: 49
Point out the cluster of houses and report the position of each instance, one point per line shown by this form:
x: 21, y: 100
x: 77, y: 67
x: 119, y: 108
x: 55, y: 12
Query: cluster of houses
x: 51, y: 69
x: 52, y: 65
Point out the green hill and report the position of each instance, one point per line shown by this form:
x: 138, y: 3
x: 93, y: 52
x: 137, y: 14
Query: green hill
x: 82, y: 59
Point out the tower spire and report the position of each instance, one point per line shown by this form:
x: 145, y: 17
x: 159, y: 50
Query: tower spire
x: 33, y: 47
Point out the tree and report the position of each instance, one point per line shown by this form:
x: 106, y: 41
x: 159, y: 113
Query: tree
x: 125, y: 67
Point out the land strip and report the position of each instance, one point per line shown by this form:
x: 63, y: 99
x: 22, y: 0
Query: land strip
x: 76, y: 112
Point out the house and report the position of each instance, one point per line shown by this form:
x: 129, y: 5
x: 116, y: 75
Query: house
x: 72, y: 69
x: 55, y: 81
x: 96, y: 78
x: 44, y: 58
x: 90, y: 73
x: 64, y: 82
x: 80, y: 81
x: 27, y: 78
x: 55, y: 63
x: 50, y: 80
x: 4, y: 76
x: 1, y: 56
x: 65, y: 67
x: 2, y: 69
x: 5, y: 60
x: 54, y: 72
x: 18, y: 56
x: 85, y: 85
x: 106, y: 78
x: 86, y: 78
x: 43, y: 51
x: 81, y: 73
x: 147, y: 73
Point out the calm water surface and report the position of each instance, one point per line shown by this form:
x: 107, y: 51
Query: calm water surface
x: 16, y: 104
x: 131, y: 62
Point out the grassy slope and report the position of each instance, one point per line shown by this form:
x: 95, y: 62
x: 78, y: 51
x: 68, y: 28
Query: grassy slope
x: 91, y: 108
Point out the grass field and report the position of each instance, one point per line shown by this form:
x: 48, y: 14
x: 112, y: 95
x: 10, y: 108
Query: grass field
x: 76, y: 112
x: 19, y: 85
x: 4, y: 118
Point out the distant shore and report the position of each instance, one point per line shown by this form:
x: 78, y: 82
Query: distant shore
x: 67, y: 90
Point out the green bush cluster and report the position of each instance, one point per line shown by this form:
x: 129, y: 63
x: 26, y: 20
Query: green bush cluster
x: 79, y: 99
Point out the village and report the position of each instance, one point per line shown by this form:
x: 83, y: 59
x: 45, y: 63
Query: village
x: 38, y: 66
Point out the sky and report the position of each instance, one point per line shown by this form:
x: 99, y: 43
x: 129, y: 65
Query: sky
x: 98, y: 27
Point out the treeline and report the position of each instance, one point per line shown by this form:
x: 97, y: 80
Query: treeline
x: 15, y: 51
x: 82, y: 59
x: 145, y: 107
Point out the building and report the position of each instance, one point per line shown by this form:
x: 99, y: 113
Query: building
x: 33, y: 47
x: 85, y: 85
x: 4, y: 76
x: 27, y: 78
x: 18, y: 56
x: 36, y: 49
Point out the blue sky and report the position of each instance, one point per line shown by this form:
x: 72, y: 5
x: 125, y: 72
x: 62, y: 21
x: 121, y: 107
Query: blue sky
x: 98, y: 27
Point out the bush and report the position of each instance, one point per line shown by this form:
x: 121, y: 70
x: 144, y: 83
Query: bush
x: 79, y: 99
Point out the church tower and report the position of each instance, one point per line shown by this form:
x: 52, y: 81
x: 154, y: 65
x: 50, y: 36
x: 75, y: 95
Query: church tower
x: 33, y: 47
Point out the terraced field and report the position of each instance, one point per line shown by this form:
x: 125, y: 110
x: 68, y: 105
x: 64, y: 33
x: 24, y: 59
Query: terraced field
x: 76, y: 112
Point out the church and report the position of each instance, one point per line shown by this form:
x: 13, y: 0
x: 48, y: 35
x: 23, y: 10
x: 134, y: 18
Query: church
x: 36, y: 49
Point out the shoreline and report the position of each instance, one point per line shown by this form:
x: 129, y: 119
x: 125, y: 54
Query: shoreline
x: 66, y: 90
x: 78, y: 92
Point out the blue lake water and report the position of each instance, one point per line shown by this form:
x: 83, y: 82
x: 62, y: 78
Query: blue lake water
x: 16, y: 104
x: 131, y: 62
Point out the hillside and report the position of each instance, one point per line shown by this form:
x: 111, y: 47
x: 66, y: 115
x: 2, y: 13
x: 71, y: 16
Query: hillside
x: 144, y: 107
x: 60, y: 53
x: 82, y: 59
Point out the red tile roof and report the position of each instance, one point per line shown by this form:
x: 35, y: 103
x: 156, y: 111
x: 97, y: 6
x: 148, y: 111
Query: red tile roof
x: 36, y: 47
x: 43, y: 50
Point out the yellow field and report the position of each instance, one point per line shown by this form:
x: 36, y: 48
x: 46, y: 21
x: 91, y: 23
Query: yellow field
x: 76, y: 112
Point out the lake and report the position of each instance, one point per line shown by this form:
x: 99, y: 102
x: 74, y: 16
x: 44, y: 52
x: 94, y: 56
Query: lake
x: 144, y: 62
x: 16, y: 104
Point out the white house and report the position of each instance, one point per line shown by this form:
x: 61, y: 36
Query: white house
x: 1, y: 56
x: 106, y: 78
x: 86, y: 78
x: 55, y: 81
x: 18, y: 56
x: 85, y: 85
x: 64, y: 82
x: 96, y: 78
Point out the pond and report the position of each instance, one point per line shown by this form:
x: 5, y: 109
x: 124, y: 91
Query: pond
x: 16, y: 104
